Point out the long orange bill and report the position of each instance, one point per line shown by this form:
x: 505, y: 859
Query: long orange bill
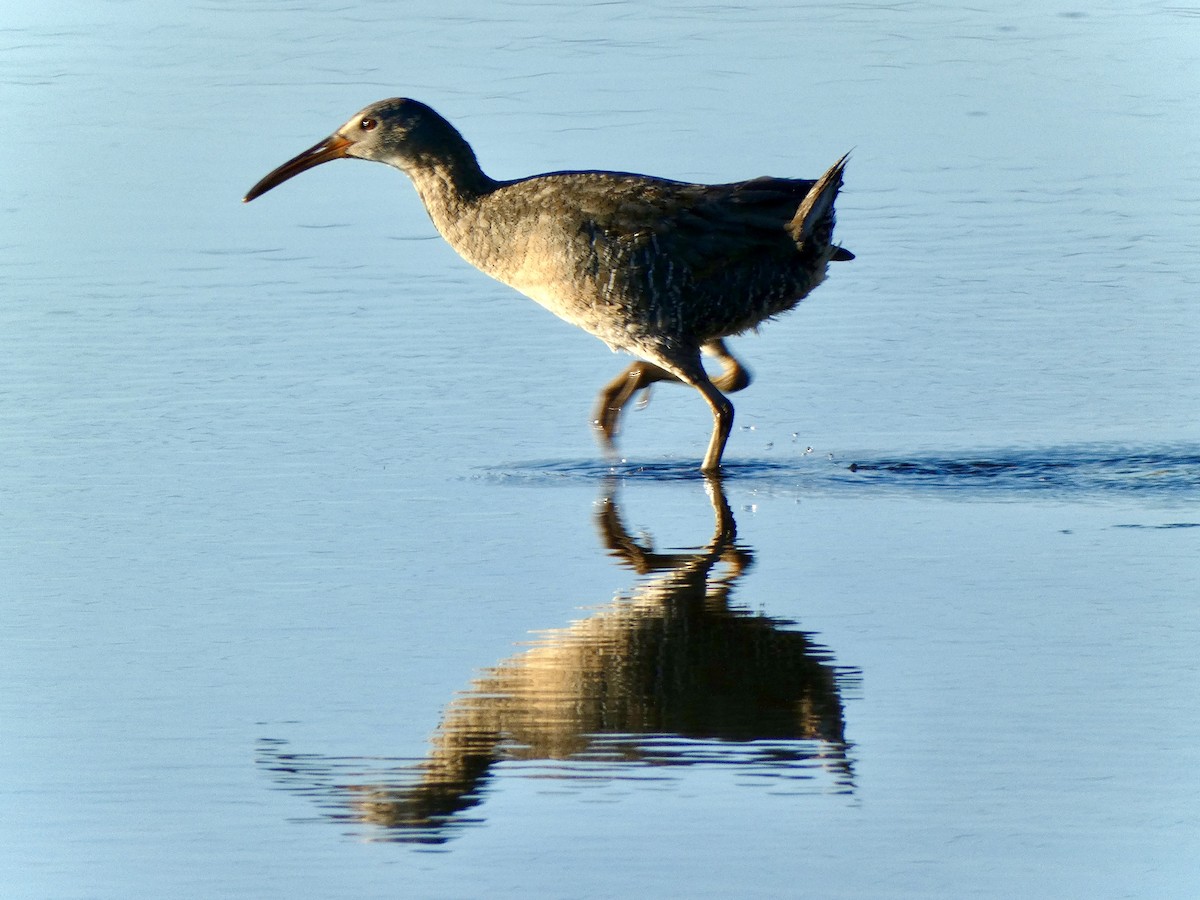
x: 333, y: 147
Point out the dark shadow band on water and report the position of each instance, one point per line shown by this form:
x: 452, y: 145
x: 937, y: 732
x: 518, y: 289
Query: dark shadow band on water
x: 1079, y: 472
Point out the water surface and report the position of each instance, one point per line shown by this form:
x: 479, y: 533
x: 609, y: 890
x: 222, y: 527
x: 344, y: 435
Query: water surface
x: 317, y: 586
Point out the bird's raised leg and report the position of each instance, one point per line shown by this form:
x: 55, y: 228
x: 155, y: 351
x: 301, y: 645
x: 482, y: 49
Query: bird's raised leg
x: 734, y: 375
x: 617, y: 394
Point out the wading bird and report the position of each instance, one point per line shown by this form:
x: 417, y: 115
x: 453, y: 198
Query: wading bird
x: 664, y: 270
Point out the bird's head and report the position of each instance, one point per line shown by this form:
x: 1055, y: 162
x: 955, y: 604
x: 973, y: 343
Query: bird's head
x: 400, y: 132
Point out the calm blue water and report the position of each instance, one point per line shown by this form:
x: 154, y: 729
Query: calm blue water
x: 315, y: 584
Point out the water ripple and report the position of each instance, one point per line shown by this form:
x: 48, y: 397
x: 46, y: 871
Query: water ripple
x: 1079, y: 472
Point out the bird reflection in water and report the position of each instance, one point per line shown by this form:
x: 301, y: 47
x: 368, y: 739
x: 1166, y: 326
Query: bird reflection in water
x: 670, y: 674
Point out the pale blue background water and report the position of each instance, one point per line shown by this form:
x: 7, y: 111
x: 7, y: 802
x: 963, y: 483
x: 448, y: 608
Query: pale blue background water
x: 279, y: 481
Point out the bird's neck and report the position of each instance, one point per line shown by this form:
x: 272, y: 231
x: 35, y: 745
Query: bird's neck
x: 450, y: 184
x: 454, y: 191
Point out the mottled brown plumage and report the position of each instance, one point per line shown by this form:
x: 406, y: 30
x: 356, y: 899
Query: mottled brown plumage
x: 664, y: 270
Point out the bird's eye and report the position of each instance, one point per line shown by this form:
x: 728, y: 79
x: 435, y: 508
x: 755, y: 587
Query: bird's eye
x: 368, y: 123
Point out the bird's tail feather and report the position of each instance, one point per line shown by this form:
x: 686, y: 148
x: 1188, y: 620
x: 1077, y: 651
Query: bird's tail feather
x: 812, y: 226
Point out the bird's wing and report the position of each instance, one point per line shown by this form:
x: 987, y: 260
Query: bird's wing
x: 696, y: 226
x: 741, y: 221
x: 719, y: 225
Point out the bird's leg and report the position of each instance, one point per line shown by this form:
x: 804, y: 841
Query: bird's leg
x: 735, y: 376
x: 617, y: 394
x: 640, y: 375
x: 690, y: 371
x: 722, y: 421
